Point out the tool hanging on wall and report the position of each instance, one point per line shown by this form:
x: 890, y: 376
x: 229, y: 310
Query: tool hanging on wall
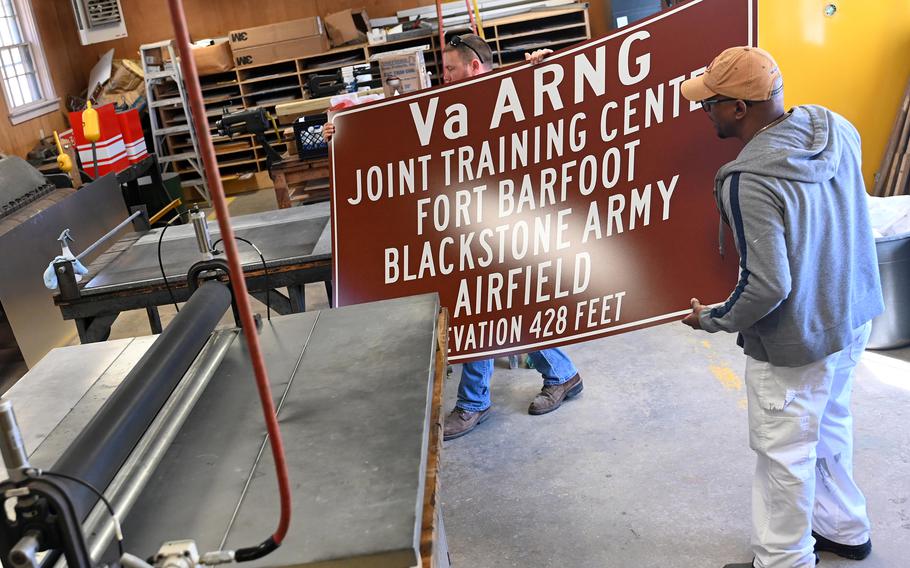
x: 64, y: 162
x: 91, y: 128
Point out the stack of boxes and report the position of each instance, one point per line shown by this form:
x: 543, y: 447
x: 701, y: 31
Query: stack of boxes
x: 278, y: 42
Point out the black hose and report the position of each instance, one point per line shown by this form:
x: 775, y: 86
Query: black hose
x: 265, y: 269
x: 255, y: 552
x: 161, y: 262
x: 100, y: 450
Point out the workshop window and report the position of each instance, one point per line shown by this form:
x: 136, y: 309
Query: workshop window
x: 26, y: 84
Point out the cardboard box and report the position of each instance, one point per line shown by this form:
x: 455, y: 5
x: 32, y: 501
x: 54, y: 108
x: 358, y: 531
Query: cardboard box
x: 281, y: 51
x: 233, y: 185
x: 273, y: 33
x: 402, y: 71
x: 361, y: 20
x: 126, y: 75
x: 215, y: 58
x: 125, y: 87
x: 342, y: 29
x: 247, y: 182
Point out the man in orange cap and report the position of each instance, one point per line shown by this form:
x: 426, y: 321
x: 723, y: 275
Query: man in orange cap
x: 808, y: 288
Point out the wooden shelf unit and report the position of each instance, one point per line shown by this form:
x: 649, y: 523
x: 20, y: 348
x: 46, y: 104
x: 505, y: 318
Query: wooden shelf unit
x: 284, y: 81
x: 512, y: 36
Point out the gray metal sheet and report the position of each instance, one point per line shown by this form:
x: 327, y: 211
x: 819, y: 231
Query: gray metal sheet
x: 17, y: 179
x: 199, y: 482
x: 275, y: 216
x: 297, y: 234
x: 65, y: 390
x: 357, y: 418
x: 26, y: 251
x: 29, y: 210
x: 356, y: 385
x: 355, y: 425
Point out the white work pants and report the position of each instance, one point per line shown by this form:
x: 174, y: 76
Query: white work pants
x: 801, y: 429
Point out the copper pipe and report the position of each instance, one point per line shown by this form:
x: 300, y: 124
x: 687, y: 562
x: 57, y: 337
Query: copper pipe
x: 216, y: 193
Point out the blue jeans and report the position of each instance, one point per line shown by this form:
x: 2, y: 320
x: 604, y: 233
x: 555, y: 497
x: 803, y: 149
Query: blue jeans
x: 474, y: 388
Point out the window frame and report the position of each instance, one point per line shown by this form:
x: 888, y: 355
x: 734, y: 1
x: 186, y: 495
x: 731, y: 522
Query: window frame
x: 50, y: 101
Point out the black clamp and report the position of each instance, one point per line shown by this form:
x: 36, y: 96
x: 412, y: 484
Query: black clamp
x: 66, y: 280
x: 206, y: 270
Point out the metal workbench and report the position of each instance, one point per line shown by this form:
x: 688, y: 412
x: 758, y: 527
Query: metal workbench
x: 296, y: 244
x: 358, y: 392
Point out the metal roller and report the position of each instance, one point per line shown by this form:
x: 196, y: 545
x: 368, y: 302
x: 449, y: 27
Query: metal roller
x: 15, y: 457
x: 100, y: 450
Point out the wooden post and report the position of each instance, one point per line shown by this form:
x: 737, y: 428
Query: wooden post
x: 429, y: 533
x: 890, y: 187
x: 74, y: 174
x: 281, y: 189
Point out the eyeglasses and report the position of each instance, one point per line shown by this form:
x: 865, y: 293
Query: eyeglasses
x: 708, y: 104
x: 456, y: 41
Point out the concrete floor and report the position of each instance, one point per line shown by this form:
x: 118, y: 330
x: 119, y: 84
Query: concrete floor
x: 650, y: 467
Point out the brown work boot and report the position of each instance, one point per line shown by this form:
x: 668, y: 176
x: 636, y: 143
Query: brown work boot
x: 460, y: 421
x: 551, y: 397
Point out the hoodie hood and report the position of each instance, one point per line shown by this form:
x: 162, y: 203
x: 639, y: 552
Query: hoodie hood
x: 805, y: 147
x: 808, y: 275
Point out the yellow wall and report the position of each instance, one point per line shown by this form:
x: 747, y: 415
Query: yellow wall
x: 856, y: 62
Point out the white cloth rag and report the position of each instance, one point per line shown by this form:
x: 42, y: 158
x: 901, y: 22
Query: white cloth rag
x: 50, y: 277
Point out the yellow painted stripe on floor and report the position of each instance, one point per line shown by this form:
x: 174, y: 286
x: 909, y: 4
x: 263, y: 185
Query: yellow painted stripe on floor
x: 726, y: 377
x: 227, y: 202
x: 706, y: 344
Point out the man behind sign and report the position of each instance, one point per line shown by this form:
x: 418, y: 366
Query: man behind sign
x: 808, y: 288
x: 467, y: 56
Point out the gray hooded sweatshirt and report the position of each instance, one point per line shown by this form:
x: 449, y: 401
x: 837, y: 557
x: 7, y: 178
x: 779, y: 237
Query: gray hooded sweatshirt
x: 796, y: 203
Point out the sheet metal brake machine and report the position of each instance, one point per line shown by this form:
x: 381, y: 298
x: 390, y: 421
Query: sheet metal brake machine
x: 153, y: 451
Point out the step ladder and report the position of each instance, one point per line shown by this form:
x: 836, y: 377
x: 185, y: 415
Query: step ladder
x: 160, y: 70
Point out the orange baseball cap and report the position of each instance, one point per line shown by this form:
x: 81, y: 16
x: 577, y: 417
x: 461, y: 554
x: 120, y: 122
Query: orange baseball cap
x: 745, y: 73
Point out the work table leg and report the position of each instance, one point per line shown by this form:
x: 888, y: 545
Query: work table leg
x: 281, y: 190
x: 297, y: 296
x: 154, y: 319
